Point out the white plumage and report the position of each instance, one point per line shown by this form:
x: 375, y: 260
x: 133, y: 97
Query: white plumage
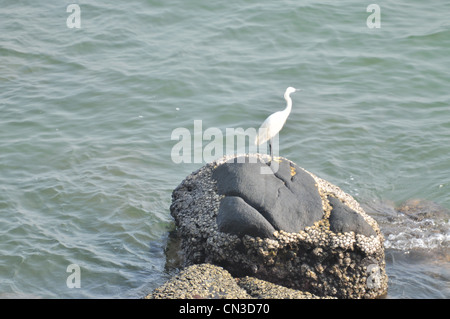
x: 275, y: 122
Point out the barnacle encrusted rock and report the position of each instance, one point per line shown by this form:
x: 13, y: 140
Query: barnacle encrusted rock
x: 261, y: 289
x: 288, y: 227
x: 202, y: 281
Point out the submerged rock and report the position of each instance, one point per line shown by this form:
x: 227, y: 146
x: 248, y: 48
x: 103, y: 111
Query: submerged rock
x: 416, y: 225
x: 420, y: 209
x: 288, y: 227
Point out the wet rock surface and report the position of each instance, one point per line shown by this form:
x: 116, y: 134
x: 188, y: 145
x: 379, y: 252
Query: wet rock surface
x: 414, y: 225
x: 417, y: 246
x: 223, y: 219
x: 420, y: 209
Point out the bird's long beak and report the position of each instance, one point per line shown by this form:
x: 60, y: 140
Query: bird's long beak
x: 296, y: 90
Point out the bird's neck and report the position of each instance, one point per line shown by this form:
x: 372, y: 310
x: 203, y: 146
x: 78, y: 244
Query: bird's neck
x: 288, y: 104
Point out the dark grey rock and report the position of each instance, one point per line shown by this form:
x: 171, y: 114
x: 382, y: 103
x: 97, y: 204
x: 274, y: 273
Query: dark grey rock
x: 344, y: 219
x: 237, y: 217
x: 286, y: 200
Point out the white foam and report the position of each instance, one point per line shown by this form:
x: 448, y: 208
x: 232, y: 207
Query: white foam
x: 419, y: 235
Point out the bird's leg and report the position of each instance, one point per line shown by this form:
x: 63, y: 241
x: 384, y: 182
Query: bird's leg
x: 271, y: 152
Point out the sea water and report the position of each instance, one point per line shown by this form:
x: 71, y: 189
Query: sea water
x: 91, y: 92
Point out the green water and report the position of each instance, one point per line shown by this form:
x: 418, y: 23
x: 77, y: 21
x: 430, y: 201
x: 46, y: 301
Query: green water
x: 87, y: 114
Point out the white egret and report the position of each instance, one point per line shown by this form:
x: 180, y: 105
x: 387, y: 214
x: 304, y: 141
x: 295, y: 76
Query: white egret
x: 275, y: 122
